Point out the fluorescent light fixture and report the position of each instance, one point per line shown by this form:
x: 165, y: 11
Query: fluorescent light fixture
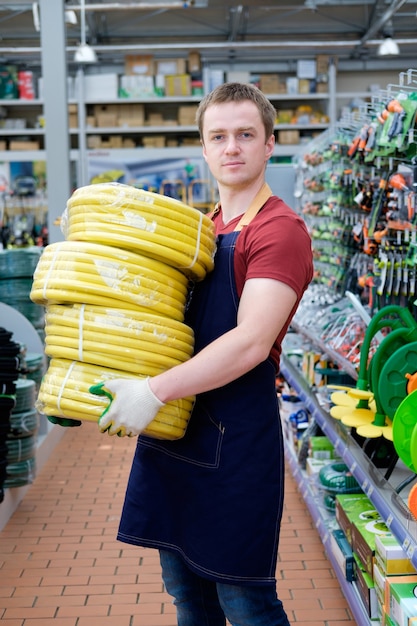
x: 388, y: 47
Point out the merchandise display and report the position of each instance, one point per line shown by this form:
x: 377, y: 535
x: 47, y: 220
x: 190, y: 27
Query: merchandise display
x: 19, y: 420
x: 122, y: 274
x: 357, y: 190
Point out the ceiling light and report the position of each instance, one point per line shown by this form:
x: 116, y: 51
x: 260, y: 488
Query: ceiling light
x: 84, y: 53
x: 388, y: 47
x: 71, y: 17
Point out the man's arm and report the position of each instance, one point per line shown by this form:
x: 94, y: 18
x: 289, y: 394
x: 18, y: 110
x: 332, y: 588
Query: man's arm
x: 264, y: 308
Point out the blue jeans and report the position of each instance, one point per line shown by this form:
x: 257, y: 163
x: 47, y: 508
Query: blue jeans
x: 202, y: 602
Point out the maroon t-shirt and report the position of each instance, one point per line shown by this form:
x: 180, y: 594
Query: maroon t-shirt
x: 276, y: 245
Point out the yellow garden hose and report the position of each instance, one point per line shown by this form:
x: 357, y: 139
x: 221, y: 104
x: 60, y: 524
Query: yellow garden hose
x: 145, y: 222
x: 164, y: 331
x: 115, y: 293
x: 65, y: 392
x: 82, y: 272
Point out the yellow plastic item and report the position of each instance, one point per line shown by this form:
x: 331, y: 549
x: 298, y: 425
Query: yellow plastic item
x: 64, y: 393
x: 115, y: 294
x: 163, y: 228
x: 81, y: 272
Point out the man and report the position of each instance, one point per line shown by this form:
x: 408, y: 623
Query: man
x: 211, y: 503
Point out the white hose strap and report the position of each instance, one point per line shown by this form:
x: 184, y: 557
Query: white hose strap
x: 50, y: 270
x: 62, y: 388
x: 197, y: 243
x: 80, y: 332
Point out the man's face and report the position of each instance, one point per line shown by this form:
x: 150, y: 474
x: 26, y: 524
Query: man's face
x: 234, y: 143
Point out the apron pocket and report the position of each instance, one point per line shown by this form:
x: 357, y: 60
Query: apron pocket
x: 201, y: 444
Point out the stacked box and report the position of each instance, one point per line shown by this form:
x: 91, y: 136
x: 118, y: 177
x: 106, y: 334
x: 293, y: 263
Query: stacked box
x: 343, y: 554
x: 178, y: 85
x: 390, y: 556
x: 402, y: 602
x: 269, y: 83
x: 364, y: 531
x: 349, y: 507
x: 186, y: 115
x: 366, y: 589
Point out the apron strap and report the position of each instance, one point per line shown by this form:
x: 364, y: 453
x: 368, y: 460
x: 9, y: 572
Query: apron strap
x: 256, y: 205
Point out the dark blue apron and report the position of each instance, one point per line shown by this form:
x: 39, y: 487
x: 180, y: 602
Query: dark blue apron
x: 215, y: 496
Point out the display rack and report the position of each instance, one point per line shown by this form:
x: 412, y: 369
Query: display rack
x: 379, y: 490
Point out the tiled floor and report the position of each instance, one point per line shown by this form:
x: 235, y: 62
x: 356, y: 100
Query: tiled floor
x: 61, y: 565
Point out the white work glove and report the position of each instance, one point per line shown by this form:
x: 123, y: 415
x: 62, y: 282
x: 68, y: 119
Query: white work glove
x: 133, y: 406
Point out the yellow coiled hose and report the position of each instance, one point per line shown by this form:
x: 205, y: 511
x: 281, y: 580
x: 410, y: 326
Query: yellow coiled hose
x: 142, y: 221
x: 115, y: 294
x: 82, y: 272
x: 65, y: 392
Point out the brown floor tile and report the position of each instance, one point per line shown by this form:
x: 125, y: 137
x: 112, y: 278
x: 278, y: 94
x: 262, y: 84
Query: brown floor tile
x: 60, y: 563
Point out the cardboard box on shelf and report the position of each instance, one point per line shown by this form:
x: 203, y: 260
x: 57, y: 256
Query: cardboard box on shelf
x: 391, y: 557
x: 26, y: 85
x: 366, y: 588
x: 292, y: 85
x: 186, y: 115
x: 343, y: 554
x: 269, y: 83
x: 322, y: 87
x: 73, y: 120
x: 364, y: 531
x: 3, y: 145
x: 304, y: 85
x: 238, y: 76
x: 194, y: 62
x: 288, y: 137
x: 154, y: 119
x: 142, y: 64
x: 178, y: 85
x: 99, y: 86
x: 350, y: 507
x: 93, y: 142
x: 170, y: 66
x: 106, y: 120
x: 131, y: 115
x: 128, y: 142
x: 116, y: 141
x: 322, y: 64
x: 90, y: 120
x: 8, y: 82
x: 403, y: 602
x: 137, y: 86
x: 154, y: 141
x: 17, y: 144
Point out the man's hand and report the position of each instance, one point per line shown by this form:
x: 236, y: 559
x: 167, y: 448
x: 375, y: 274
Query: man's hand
x: 133, y: 406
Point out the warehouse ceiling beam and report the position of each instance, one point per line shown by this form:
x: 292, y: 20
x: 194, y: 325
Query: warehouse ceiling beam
x: 377, y: 26
x: 158, y: 4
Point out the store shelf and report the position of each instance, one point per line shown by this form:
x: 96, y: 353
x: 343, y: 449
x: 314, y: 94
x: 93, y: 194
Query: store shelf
x: 326, y: 349
x: 379, y: 490
x: 21, y: 102
x: 21, y: 132
x: 29, y: 155
x: 321, y: 523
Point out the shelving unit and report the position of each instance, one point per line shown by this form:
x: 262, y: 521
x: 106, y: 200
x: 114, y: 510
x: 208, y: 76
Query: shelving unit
x: 379, y: 490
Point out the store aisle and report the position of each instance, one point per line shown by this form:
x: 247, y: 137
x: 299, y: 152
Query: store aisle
x: 60, y: 563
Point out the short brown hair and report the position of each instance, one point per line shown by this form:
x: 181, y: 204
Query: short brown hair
x: 238, y: 92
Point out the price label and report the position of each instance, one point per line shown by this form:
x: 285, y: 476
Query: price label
x: 389, y: 521
x: 410, y: 551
